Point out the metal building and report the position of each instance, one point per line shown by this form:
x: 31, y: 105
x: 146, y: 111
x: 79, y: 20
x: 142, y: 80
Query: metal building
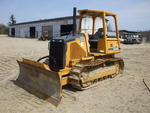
x: 56, y: 27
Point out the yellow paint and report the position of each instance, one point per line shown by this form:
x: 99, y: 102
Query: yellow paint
x: 79, y: 49
x: 102, y: 74
x: 105, y: 42
x: 95, y: 12
x: 38, y: 64
x: 64, y: 81
x: 64, y: 71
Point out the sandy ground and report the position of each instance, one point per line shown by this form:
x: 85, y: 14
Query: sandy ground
x: 125, y: 93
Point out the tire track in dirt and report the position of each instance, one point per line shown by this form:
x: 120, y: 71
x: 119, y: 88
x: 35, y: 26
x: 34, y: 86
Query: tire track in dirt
x: 13, y: 98
x: 14, y: 94
x: 7, y: 66
x: 122, y: 94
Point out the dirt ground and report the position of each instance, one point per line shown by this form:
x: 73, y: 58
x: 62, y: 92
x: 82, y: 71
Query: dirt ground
x: 125, y: 93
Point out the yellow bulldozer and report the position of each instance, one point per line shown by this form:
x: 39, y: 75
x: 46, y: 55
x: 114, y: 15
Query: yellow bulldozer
x: 80, y: 59
x: 45, y: 36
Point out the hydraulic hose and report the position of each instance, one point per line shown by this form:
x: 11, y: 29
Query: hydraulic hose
x: 42, y: 58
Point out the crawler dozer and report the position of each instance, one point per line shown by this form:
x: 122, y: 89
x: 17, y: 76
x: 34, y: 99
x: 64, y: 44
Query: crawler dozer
x: 80, y: 59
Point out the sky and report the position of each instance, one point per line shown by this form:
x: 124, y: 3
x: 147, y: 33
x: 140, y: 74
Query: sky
x: 132, y: 14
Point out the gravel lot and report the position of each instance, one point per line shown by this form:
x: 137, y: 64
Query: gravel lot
x: 125, y: 93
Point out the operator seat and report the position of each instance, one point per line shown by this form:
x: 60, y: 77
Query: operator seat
x: 94, y: 39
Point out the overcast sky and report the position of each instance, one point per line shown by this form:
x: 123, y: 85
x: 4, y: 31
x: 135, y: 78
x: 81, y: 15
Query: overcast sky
x: 132, y: 14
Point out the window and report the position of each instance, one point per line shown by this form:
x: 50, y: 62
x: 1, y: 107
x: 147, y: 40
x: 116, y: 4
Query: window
x: 86, y: 26
x: 98, y: 30
x: 111, y: 28
x: 98, y: 24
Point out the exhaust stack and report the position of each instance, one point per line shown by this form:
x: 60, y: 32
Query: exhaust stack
x: 74, y: 21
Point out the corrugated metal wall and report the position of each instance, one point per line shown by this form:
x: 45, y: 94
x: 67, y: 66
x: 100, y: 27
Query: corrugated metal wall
x: 23, y: 30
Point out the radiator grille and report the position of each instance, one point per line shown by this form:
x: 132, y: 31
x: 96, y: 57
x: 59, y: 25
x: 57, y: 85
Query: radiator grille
x: 57, y: 54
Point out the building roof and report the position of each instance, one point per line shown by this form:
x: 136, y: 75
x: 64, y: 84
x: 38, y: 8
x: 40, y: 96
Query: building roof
x: 128, y: 31
x: 46, y: 20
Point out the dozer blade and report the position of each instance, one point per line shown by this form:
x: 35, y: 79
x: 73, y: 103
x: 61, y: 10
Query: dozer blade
x: 39, y: 81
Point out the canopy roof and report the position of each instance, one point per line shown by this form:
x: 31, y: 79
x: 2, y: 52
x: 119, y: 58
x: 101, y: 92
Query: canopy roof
x: 92, y: 12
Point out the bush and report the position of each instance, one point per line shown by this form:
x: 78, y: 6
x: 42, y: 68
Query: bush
x: 3, y: 29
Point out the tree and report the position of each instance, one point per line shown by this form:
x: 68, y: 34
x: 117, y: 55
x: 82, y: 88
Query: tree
x: 146, y: 34
x: 12, y: 20
x: 3, y: 29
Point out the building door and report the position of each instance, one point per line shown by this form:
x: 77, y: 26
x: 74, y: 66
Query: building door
x: 12, y: 32
x: 48, y: 30
x: 66, y: 29
x: 32, y: 32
